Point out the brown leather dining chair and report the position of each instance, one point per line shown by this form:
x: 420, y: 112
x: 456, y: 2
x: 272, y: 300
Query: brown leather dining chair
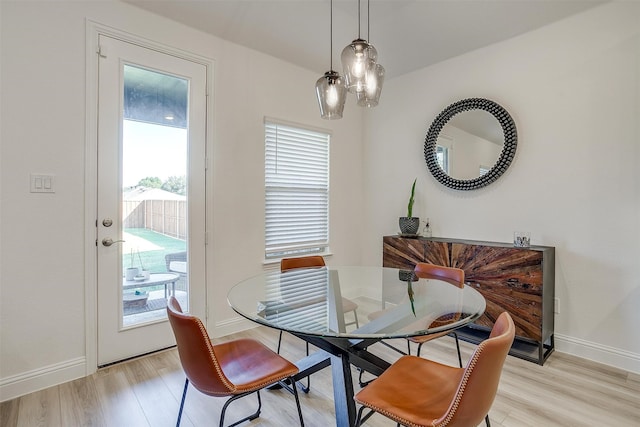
x: 420, y: 392
x: 455, y: 276
x: 236, y: 368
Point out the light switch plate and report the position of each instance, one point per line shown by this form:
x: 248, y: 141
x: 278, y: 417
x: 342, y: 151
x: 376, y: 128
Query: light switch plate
x: 42, y: 183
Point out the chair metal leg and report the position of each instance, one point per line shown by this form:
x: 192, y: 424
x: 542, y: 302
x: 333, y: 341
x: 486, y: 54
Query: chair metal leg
x: 363, y: 383
x: 184, y: 395
x: 279, y: 342
x: 356, y: 317
x: 360, y: 419
x: 249, y: 418
x: 304, y: 388
x: 486, y: 420
x: 295, y: 395
x: 458, y: 348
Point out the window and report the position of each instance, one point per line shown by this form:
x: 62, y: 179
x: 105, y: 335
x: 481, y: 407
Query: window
x: 297, y: 190
x: 442, y: 154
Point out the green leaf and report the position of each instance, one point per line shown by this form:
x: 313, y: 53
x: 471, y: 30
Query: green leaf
x: 410, y: 292
x: 410, y: 206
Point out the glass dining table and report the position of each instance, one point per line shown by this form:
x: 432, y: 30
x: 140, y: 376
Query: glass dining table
x: 391, y: 303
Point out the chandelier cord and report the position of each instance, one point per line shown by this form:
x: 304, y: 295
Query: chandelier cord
x: 331, y: 35
x: 358, y: 19
x: 368, y: 20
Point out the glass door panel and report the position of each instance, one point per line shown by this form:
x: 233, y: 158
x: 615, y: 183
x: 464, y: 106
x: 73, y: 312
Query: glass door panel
x: 154, y: 194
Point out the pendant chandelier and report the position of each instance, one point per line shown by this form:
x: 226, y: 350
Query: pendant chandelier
x: 330, y: 88
x: 363, y: 75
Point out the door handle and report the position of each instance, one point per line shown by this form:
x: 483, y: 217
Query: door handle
x: 108, y: 241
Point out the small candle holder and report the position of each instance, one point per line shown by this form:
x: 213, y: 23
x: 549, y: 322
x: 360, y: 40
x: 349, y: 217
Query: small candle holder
x: 521, y: 239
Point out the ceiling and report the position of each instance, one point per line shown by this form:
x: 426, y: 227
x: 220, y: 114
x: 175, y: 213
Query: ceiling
x: 408, y: 34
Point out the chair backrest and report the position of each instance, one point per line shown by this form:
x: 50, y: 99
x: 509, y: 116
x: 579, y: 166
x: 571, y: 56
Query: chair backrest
x: 479, y: 384
x: 301, y: 262
x: 455, y: 276
x: 197, y: 355
x: 180, y: 257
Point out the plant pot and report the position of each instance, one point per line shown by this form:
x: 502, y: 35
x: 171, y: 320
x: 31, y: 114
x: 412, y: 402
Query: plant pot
x: 409, y: 225
x: 131, y: 272
x: 407, y: 276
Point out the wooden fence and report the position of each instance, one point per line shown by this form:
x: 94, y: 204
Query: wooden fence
x: 168, y: 217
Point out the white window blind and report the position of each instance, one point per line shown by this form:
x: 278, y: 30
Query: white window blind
x: 297, y: 190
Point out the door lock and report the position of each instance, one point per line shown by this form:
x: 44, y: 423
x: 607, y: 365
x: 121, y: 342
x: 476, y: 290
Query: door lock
x: 108, y: 241
x: 107, y: 222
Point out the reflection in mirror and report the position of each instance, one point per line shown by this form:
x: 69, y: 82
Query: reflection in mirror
x: 470, y: 144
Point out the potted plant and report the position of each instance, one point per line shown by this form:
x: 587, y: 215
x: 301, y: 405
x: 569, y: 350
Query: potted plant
x: 132, y: 271
x: 144, y: 274
x: 409, y: 224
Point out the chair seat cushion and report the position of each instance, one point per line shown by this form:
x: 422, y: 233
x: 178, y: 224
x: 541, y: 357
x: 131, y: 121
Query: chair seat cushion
x: 178, y: 267
x: 348, y: 305
x: 413, y: 391
x: 250, y: 365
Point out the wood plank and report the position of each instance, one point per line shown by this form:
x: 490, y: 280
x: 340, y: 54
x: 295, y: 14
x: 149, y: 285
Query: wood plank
x: 79, y: 403
x: 41, y: 408
x: 118, y: 402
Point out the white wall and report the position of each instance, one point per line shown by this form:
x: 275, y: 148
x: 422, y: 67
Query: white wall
x: 573, y: 91
x: 42, y: 304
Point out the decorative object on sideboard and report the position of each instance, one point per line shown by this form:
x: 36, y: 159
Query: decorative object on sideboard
x: 426, y: 231
x: 470, y: 117
x: 409, y: 224
x: 521, y: 239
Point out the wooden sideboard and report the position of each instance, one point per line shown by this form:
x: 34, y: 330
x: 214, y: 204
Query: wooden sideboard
x: 518, y: 280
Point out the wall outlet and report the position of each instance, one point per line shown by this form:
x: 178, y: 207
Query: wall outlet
x: 556, y: 305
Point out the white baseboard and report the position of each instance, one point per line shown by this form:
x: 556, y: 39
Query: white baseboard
x: 231, y: 326
x: 38, y: 379
x: 606, y: 355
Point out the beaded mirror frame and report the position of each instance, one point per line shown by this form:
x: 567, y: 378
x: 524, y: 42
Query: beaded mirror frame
x: 504, y: 160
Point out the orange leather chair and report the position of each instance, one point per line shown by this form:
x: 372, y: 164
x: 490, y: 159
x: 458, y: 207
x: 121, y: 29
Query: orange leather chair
x: 455, y: 276
x: 235, y: 368
x: 420, y: 392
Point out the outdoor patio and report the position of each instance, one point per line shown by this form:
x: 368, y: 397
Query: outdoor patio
x: 148, y: 250
x: 155, y: 308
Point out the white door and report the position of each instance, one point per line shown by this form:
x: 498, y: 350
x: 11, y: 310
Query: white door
x: 151, y: 190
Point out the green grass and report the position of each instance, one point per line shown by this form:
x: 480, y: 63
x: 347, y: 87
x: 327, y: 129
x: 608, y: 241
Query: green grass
x: 153, y: 261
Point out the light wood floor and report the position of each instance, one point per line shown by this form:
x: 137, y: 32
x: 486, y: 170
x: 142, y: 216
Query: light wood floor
x: 566, y: 391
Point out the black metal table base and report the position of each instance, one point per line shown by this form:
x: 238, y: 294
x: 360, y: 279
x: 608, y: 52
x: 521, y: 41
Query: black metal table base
x: 341, y: 354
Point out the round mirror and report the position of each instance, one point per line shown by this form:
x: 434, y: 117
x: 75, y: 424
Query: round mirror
x: 470, y: 144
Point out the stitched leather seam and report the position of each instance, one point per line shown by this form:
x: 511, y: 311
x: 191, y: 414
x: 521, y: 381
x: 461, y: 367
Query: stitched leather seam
x: 463, y: 385
x: 232, y: 388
